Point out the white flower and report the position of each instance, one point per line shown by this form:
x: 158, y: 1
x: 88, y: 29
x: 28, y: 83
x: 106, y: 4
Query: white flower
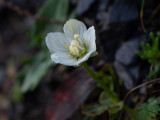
x: 74, y: 46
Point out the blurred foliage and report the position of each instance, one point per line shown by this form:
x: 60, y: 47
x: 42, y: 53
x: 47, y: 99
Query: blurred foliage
x: 16, y: 94
x: 37, y: 66
x: 51, y: 10
x: 146, y: 111
x: 149, y: 110
x: 88, y: 118
x: 41, y: 64
x: 106, y: 102
x: 109, y: 78
x: 151, y: 53
x: 108, y: 81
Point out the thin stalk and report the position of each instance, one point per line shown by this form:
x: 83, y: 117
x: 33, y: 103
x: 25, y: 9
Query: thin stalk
x: 141, y: 16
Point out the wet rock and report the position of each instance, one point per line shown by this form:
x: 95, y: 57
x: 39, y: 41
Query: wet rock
x: 124, y: 75
x: 143, y: 90
x: 122, y: 11
x: 129, y: 75
x: 134, y: 72
x: 83, y: 5
x: 126, y: 65
x: 103, y: 19
x: 103, y: 4
x: 127, y: 52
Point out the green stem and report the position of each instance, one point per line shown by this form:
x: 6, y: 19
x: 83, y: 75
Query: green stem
x: 99, y: 82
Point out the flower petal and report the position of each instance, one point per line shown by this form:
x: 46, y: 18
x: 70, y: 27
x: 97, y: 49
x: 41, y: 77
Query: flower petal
x: 89, y: 37
x: 85, y: 57
x: 57, y: 42
x: 72, y: 27
x: 64, y: 59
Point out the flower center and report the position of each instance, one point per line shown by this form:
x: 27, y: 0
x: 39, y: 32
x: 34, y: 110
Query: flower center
x: 76, y: 49
x: 76, y: 36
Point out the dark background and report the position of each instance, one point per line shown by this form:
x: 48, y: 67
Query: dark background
x: 62, y: 90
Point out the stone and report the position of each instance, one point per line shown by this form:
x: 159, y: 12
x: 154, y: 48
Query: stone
x: 126, y: 62
x: 134, y: 72
x: 123, y: 11
x: 103, y: 4
x: 83, y: 6
x: 124, y: 75
x: 127, y: 52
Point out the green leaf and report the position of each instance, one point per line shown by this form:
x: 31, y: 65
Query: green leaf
x: 53, y: 9
x: 116, y: 108
x: 40, y: 66
x: 16, y: 93
x: 155, y: 70
x: 153, y: 106
x: 151, y: 53
x: 141, y: 113
x: 94, y: 54
x: 151, y: 35
x: 88, y: 118
x: 111, y: 105
x: 106, y: 80
x: 145, y: 46
x: 106, y: 100
x: 147, y: 110
x: 105, y: 104
x: 94, y: 110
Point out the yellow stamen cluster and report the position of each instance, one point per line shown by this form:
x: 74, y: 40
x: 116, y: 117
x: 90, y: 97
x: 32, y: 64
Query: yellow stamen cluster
x: 76, y: 49
x: 76, y: 36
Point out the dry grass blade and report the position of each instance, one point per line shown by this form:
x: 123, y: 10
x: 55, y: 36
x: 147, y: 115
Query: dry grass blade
x: 139, y: 86
x: 155, y: 11
x: 141, y: 17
